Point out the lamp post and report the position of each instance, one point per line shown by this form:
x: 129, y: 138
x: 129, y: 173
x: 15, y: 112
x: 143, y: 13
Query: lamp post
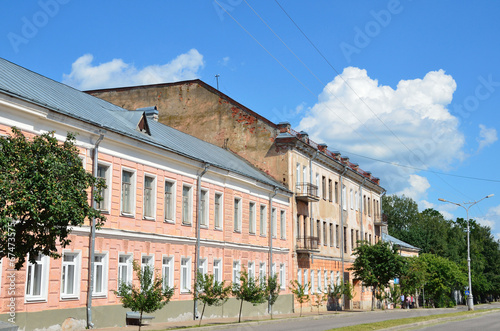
x: 466, y: 206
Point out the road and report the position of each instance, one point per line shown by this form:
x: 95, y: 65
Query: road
x: 486, y: 322
x: 326, y: 322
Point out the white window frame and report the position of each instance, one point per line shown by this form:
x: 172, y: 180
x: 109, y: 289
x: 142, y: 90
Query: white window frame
x: 297, y: 174
x: 127, y: 263
x: 150, y: 261
x: 313, y: 276
x: 304, y: 174
x: 106, y: 193
x: 262, y: 271
x: 217, y: 270
x: 204, y: 207
x: 152, y: 202
x: 167, y: 269
x: 237, y: 212
x: 185, y: 286
x: 306, y: 281
x: 169, y: 206
x: 299, y: 276
x: 352, y: 198
x: 251, y: 269
x: 44, y: 261
x: 344, y: 197
x: 318, y: 184
x: 218, y: 223
x: 236, y: 272
x: 273, y: 269
x: 132, y: 193
x: 274, y: 224
x: 187, y: 213
x: 65, y: 280
x: 104, y: 277
x: 282, y: 276
x: 325, y: 280
x: 252, y: 217
x: 283, y: 224
x: 263, y: 219
x: 203, y: 266
x: 319, y: 281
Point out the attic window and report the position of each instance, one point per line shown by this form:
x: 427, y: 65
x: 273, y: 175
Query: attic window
x: 143, y: 126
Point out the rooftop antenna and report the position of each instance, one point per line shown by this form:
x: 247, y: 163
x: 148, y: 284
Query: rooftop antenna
x: 217, y: 78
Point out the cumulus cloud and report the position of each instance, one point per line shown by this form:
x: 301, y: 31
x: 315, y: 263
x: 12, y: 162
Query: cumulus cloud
x: 486, y: 136
x: 424, y: 133
x: 115, y: 73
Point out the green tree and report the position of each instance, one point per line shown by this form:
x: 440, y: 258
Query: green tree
x: 375, y: 265
x: 444, y: 276
x: 149, y: 296
x: 300, y: 291
x: 401, y: 212
x: 319, y: 299
x: 414, y: 275
x: 250, y: 290
x: 43, y: 193
x: 210, y: 291
x: 272, y: 292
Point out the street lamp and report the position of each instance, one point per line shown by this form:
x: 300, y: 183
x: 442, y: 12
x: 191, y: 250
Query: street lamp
x: 466, y: 206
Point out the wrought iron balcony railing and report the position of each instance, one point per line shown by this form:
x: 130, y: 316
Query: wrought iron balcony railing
x: 306, y: 192
x: 307, y: 244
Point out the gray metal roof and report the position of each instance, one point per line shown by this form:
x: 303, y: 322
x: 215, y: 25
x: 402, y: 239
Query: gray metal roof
x: 396, y: 241
x: 30, y: 86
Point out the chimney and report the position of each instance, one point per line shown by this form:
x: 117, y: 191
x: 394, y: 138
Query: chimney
x: 376, y: 180
x: 304, y: 137
x: 345, y: 160
x: 368, y: 175
x: 322, y: 147
x: 284, y: 127
x: 336, y: 155
x: 355, y: 166
x: 151, y: 112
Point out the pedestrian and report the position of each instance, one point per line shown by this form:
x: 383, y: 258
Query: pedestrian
x: 407, y: 302
x: 402, y: 301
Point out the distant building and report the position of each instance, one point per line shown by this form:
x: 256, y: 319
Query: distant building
x: 403, y: 248
x: 161, y: 184
x: 336, y: 204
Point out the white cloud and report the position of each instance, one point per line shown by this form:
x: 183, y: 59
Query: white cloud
x: 225, y: 61
x: 486, y: 136
x: 417, y: 186
x: 416, y: 112
x: 115, y: 73
x: 447, y: 215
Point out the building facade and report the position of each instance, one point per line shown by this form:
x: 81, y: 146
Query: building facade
x: 335, y: 203
x: 172, y: 201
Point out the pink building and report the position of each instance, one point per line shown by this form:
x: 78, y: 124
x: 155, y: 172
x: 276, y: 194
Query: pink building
x: 162, y: 185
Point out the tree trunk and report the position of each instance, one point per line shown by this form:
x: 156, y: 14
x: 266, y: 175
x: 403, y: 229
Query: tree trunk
x: 241, y: 306
x: 202, y: 312
x: 373, y: 297
x: 140, y: 321
x: 301, y: 309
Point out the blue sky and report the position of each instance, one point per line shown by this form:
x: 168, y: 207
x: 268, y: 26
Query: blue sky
x: 419, y: 83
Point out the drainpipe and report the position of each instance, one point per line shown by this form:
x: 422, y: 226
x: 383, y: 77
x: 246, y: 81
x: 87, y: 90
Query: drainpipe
x: 198, y: 223
x: 342, y: 225
x: 361, y: 203
x: 381, y: 212
x: 271, y: 236
x: 92, y: 239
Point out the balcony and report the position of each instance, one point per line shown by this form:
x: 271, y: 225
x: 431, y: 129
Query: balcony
x: 307, y: 245
x: 380, y: 220
x: 306, y: 192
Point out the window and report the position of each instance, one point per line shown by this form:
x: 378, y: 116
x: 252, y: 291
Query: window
x: 149, y: 197
x: 274, y: 222
x: 352, y: 199
x: 128, y: 185
x: 282, y: 277
x: 204, y: 208
x: 236, y: 272
x: 364, y: 203
x: 70, y: 276
x: 100, y: 275
x: 299, y: 276
x: 352, y: 239
x: 148, y: 260
x: 325, y: 234
x: 369, y: 208
x: 169, y: 202
x: 357, y: 238
x: 337, y: 235
x: 218, y: 270
x: 325, y: 280
x: 356, y: 200
x: 317, y: 181
x: 283, y: 224
x: 202, y: 266
x: 313, y: 276
x: 168, y: 271
x: 306, y: 281
x: 323, y: 187
x: 304, y: 174
x: 237, y: 214
x: 124, y: 269
x: 318, y: 229
x: 263, y: 220
x: 298, y: 227
x: 185, y: 275
x: 344, y: 198
x: 251, y: 218
x: 37, y: 277
x: 187, y: 204
x: 370, y: 238
x: 336, y: 192
x: 251, y: 270
x: 345, y: 239
x: 218, y: 210
x: 330, y: 190
x: 104, y: 173
x: 331, y: 235
x: 320, y: 288
x: 262, y: 271
x: 297, y: 174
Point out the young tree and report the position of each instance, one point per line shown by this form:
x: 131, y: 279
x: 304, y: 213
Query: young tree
x: 272, y: 292
x: 376, y: 265
x: 210, y: 291
x: 43, y: 193
x: 319, y: 299
x: 149, y: 296
x: 250, y: 290
x: 300, y: 292
x: 414, y: 275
